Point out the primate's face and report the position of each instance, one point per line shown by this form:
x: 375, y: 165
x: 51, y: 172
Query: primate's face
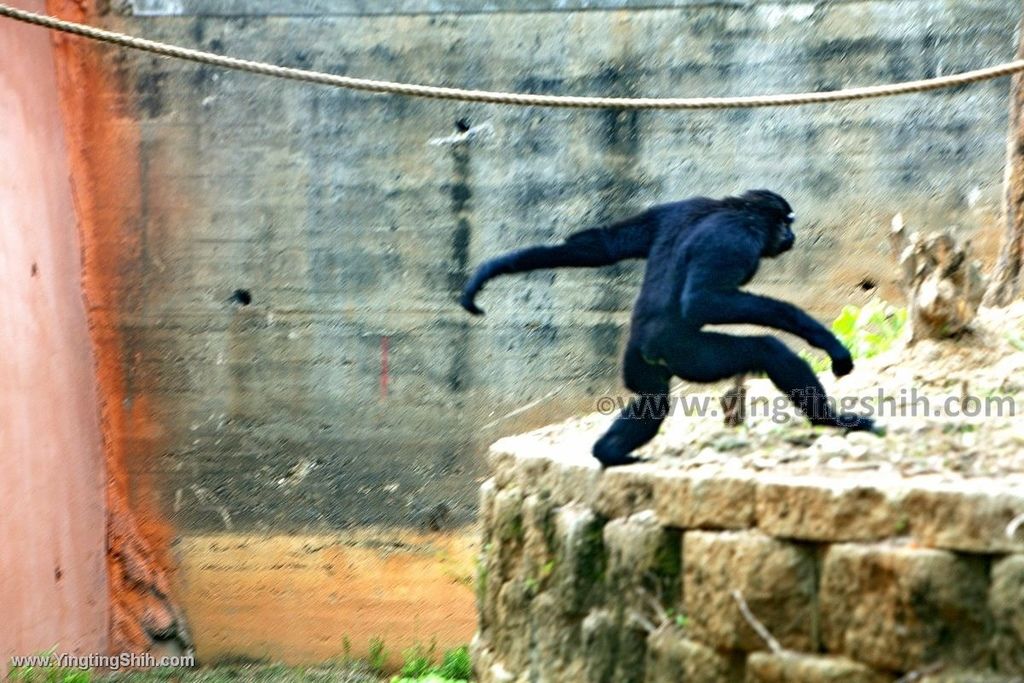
x: 777, y: 213
x: 783, y: 238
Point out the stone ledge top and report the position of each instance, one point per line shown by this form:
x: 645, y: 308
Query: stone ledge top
x: 974, y: 515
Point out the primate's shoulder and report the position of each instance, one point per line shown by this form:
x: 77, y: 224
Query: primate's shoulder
x: 684, y: 213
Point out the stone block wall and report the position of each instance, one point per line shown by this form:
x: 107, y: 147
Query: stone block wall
x: 643, y: 574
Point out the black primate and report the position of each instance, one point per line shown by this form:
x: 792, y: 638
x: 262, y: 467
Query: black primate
x: 699, y: 253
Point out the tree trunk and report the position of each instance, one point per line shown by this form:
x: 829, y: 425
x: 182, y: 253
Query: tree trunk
x: 1006, y: 280
x: 944, y: 286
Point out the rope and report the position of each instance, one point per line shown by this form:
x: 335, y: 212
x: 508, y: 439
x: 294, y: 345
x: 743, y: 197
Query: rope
x: 516, y: 99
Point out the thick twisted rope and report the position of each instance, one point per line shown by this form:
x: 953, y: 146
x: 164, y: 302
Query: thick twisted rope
x: 516, y: 99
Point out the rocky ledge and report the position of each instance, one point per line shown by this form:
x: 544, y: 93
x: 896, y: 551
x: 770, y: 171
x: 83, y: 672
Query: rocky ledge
x: 670, y: 571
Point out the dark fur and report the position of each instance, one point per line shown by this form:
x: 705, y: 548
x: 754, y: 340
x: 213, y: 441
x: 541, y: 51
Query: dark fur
x: 699, y: 253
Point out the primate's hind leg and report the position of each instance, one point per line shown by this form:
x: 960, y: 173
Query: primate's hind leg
x: 710, y: 357
x: 639, y: 421
x: 637, y: 424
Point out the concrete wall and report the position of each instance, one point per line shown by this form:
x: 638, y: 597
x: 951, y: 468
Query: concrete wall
x: 353, y: 233
x: 351, y: 392
x: 53, y: 590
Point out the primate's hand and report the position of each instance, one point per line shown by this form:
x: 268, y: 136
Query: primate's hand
x: 467, y: 302
x: 842, y: 362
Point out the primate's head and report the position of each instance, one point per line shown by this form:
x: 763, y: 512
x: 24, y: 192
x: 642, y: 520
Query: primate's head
x: 777, y: 216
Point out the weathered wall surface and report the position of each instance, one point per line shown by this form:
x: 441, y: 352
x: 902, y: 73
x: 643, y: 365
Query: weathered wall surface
x: 641, y: 574
x: 349, y: 390
x: 353, y: 233
x: 53, y: 589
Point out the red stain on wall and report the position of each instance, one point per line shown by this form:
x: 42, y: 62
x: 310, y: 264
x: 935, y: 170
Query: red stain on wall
x: 53, y: 583
x: 384, y: 367
x: 103, y: 143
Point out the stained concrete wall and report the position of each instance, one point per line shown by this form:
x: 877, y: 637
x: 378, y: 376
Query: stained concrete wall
x: 53, y: 587
x: 353, y: 233
x: 350, y: 392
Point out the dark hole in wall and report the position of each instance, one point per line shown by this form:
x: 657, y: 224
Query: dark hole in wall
x: 462, y: 125
x: 867, y: 284
x: 242, y: 297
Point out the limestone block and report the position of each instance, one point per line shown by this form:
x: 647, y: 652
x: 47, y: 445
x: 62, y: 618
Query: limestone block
x: 1006, y: 601
x: 488, y: 584
x: 631, y: 652
x: 903, y: 608
x: 538, y: 515
x: 527, y: 462
x: 644, y: 561
x: 775, y: 578
x: 577, y: 575
x: 486, y: 666
x: 793, y: 667
x: 599, y: 634
x: 704, y: 499
x: 623, y: 491
x: 506, y: 538
x: 502, y: 462
x: 508, y: 516
x: 488, y: 491
x: 554, y: 638
x: 511, y: 625
x: 965, y: 515
x: 962, y: 676
x: 829, y: 508
x: 565, y: 480
x: 672, y: 657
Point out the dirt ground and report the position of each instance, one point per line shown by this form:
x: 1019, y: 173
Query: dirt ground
x: 312, y: 597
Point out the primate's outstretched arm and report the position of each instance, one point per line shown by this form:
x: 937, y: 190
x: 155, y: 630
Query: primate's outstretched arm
x: 711, y: 296
x: 587, y: 249
x: 723, y: 308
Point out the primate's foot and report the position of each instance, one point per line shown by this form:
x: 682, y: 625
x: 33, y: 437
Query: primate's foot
x: 611, y: 456
x: 618, y: 461
x: 851, y: 422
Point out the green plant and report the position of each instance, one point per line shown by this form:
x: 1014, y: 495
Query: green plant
x: 547, y: 569
x: 377, y: 654
x: 870, y: 330
x: 455, y: 667
x: 418, y: 662
x: 48, y: 674
x: 456, y: 664
x: 678, y: 618
x: 346, y: 649
x: 866, y: 331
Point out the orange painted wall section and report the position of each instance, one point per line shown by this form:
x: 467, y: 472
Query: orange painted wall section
x: 53, y: 584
